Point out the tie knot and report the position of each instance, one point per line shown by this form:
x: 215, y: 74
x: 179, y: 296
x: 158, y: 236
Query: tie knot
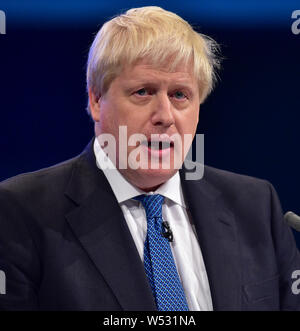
x: 152, y: 204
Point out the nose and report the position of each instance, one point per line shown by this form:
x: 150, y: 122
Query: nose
x: 162, y: 114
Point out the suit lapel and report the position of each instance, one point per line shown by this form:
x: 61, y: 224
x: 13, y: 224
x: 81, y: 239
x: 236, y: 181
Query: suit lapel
x: 216, y: 230
x: 98, y: 223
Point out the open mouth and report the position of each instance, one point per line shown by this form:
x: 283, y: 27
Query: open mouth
x: 159, y: 145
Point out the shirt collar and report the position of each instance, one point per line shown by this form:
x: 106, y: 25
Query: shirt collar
x: 124, y: 190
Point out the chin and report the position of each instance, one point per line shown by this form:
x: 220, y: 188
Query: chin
x: 151, y: 179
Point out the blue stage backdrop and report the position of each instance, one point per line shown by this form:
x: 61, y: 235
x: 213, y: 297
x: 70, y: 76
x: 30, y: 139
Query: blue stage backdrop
x: 250, y: 122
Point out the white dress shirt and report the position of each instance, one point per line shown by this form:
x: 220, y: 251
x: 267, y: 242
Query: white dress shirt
x: 185, y: 247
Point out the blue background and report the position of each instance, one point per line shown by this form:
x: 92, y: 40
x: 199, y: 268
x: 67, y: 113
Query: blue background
x: 250, y: 121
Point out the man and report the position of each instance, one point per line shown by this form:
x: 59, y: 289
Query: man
x: 129, y: 231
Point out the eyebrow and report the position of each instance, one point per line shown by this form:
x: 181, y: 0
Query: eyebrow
x: 149, y: 82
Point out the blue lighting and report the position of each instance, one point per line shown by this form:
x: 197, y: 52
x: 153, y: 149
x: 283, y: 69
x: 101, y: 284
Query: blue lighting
x: 92, y: 12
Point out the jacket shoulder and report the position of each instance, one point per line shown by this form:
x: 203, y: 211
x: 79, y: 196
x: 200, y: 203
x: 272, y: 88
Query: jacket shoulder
x: 222, y: 178
x: 238, y: 188
x: 52, y: 179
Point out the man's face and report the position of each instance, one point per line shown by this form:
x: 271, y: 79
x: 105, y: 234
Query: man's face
x: 149, y: 100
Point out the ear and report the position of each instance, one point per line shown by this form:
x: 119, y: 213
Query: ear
x: 94, y: 105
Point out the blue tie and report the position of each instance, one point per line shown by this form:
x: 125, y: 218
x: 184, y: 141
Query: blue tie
x: 159, y: 264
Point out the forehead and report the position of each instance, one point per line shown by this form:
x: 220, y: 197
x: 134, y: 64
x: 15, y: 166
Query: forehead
x: 146, y: 71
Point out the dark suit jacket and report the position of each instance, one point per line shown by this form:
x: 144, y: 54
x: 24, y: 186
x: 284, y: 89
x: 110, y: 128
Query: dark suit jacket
x: 65, y: 245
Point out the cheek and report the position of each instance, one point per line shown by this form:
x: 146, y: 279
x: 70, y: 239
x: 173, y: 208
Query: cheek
x: 119, y: 114
x: 134, y: 118
x: 187, y: 123
x: 107, y: 122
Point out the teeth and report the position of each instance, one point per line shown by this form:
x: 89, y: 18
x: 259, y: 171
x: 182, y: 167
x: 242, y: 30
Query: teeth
x: 154, y: 145
x: 165, y: 144
x: 159, y: 144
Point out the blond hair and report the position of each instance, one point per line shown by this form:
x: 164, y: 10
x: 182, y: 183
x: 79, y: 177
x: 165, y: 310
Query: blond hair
x: 157, y: 35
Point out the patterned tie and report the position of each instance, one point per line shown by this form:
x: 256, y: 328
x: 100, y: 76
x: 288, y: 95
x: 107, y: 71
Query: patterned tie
x: 159, y: 264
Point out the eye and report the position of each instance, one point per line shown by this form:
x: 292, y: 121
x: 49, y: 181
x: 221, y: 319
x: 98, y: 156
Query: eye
x: 141, y: 92
x: 179, y: 95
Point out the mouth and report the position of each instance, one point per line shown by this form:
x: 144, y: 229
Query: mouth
x: 158, y: 148
x: 159, y: 145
